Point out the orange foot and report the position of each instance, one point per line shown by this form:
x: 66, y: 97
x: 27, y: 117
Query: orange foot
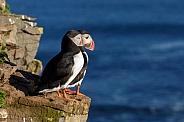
x: 65, y: 96
x: 77, y: 91
x: 59, y: 95
x: 80, y: 94
x: 68, y: 90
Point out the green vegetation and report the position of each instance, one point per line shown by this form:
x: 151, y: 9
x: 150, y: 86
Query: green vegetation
x: 7, y: 9
x: 3, y: 54
x: 2, y: 96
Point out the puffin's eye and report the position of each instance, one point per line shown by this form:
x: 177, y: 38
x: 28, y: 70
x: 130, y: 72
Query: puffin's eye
x: 87, y: 37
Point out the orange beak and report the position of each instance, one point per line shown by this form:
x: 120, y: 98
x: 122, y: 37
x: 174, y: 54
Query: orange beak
x: 92, y: 46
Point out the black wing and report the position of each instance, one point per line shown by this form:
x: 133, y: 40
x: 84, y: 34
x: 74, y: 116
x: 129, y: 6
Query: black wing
x: 57, y: 71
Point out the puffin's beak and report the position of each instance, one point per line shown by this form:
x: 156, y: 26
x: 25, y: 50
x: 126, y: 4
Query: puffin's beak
x: 90, y: 46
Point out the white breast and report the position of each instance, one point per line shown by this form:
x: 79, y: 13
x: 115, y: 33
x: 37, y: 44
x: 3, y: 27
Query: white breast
x: 84, y: 71
x: 86, y: 56
x: 78, y: 64
x: 79, y: 82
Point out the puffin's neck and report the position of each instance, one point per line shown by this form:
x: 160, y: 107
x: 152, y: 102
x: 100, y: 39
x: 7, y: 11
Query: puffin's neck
x: 69, y: 46
x: 81, y: 49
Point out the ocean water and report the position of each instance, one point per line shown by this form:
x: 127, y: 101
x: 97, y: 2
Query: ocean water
x: 135, y: 73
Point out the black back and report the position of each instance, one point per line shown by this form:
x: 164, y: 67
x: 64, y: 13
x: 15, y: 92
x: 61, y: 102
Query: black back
x: 58, y: 70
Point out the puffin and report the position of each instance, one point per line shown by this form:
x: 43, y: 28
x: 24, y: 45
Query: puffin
x: 89, y: 44
x: 61, y: 70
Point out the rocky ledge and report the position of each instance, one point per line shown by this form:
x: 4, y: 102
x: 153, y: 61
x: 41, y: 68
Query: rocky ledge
x: 19, y: 76
x: 42, y: 108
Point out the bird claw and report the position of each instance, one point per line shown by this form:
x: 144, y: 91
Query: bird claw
x: 68, y: 90
x: 80, y: 94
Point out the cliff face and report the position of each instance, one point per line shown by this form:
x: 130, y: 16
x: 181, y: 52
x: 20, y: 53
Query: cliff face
x: 18, y: 78
x: 21, y: 36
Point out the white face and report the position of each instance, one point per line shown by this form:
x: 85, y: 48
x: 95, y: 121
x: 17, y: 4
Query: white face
x: 77, y: 40
x: 87, y: 40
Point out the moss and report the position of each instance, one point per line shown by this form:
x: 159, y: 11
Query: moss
x: 40, y: 29
x: 45, y: 114
x: 7, y: 9
x: 2, y: 96
x: 50, y: 119
x: 3, y: 54
x: 42, y: 114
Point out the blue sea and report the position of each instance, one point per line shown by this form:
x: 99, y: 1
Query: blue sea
x: 136, y: 72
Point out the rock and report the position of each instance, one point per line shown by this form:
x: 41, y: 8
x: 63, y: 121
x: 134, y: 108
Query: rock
x: 2, y: 5
x: 21, y: 36
x: 34, y: 67
x: 41, y: 108
x: 44, y: 108
x: 50, y: 108
x: 3, y: 115
x: 19, y: 53
x: 38, y: 108
x: 6, y: 70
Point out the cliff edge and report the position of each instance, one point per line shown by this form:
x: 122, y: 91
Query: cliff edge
x: 19, y: 41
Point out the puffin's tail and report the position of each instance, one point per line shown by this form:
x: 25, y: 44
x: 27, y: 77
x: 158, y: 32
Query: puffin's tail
x: 35, y: 92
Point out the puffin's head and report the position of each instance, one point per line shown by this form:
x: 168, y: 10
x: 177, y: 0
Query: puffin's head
x: 75, y: 36
x: 87, y: 40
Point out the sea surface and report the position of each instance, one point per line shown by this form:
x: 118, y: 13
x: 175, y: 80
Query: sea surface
x: 136, y: 72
